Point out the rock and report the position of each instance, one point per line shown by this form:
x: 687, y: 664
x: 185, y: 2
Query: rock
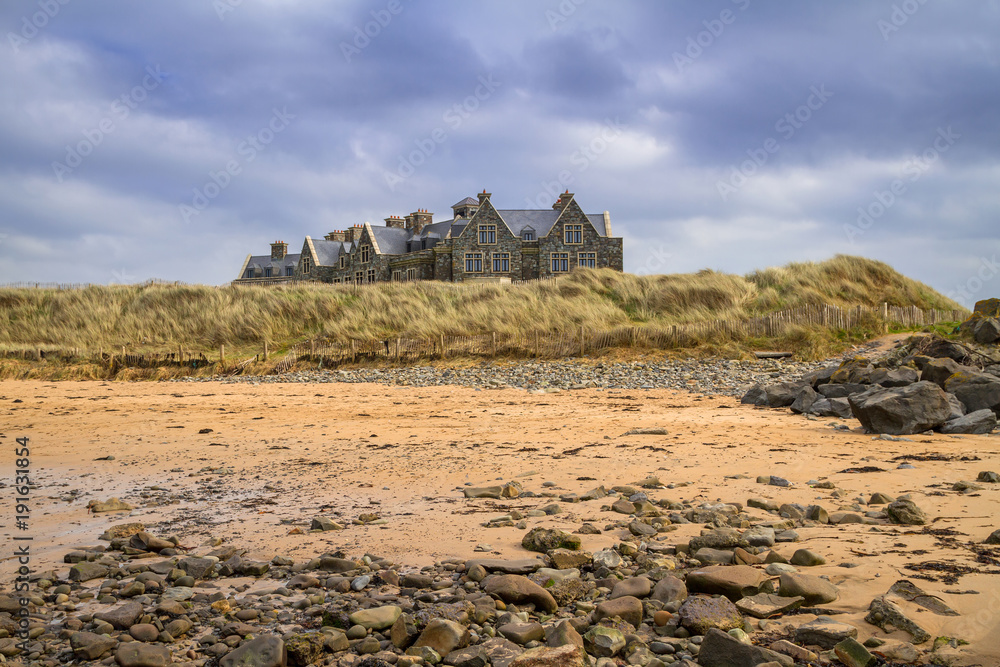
x: 765, y: 605
x: 501, y: 651
x: 404, y: 632
x: 641, y: 529
x: 783, y: 394
x: 525, y: 566
x: 517, y: 589
x: 522, y: 633
x: 196, y: 567
x: 755, y: 395
x: 878, y: 498
x: 325, y: 524
x: 987, y: 331
x: 976, y: 391
x: 806, y: 558
x: 902, y: 410
x: 483, y: 492
x: 608, y: 558
x: 804, y: 401
x: 720, y: 538
x: 939, y: 370
x: 824, y: 632
x: 623, y: 506
x: 978, y: 423
x: 603, y: 642
x: 473, y: 656
x: 334, y: 564
x: 898, y: 651
x: 544, y: 540
x: 511, y: 490
x: 85, y: 571
x: 443, y: 636
x: 376, y: 618
x: 137, y: 654
x: 305, y: 648
x: 994, y: 537
x: 637, y: 587
x: 812, y: 589
x: 887, y: 616
x: 144, y: 632
x: 989, y: 477
x: 568, y: 655
x: 698, y: 613
x: 263, y: 651
x: 628, y: 608
x: 734, y: 582
x: 110, y: 505
x: 786, y: 647
x: 719, y: 649
x: 122, y: 530
x: 669, y: 589
x: 714, y: 556
x: 857, y: 370
x: 899, y: 377
x: 841, y: 390
x: 906, y: 513
x: 146, y: 542
x: 90, y: 645
x: 760, y: 536
x: 957, y: 409
x: 853, y: 654
x: 122, y: 617
x: 562, y: 634
x: 565, y: 559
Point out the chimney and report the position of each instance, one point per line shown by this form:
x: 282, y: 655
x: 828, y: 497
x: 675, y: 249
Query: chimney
x: 418, y: 220
x: 353, y: 233
x: 395, y: 222
x: 484, y: 196
x: 336, y: 236
x: 279, y: 249
x: 563, y: 200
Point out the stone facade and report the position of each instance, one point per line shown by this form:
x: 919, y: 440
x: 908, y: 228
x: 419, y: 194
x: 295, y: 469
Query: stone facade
x: 481, y: 243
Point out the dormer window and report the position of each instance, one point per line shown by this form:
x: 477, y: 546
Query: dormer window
x: 527, y: 236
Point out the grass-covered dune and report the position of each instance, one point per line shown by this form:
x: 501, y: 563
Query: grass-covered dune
x: 165, y: 316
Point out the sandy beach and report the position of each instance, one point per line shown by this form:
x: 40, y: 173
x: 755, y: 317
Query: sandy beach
x: 252, y: 464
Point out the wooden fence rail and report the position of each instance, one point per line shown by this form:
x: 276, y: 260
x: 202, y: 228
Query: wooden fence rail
x: 576, y: 341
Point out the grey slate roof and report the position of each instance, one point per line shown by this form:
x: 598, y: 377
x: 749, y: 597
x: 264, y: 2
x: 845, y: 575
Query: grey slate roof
x: 541, y: 221
x: 328, y: 252
x: 259, y: 262
x: 391, y: 240
x: 468, y: 201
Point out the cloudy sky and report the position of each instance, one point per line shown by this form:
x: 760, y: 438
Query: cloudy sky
x: 169, y: 139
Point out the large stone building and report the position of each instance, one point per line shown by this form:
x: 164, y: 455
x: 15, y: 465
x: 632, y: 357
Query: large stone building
x: 480, y: 242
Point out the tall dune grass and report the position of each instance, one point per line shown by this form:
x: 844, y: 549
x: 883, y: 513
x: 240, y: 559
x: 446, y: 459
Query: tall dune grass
x: 200, y: 318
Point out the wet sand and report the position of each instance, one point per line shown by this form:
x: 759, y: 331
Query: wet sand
x: 279, y: 454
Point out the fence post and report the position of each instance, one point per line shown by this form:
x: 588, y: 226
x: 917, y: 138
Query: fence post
x: 354, y: 351
x: 442, y: 346
x: 222, y: 353
x: 312, y: 347
x: 583, y: 344
x: 537, y: 352
x: 265, y: 351
x: 494, y: 343
x: 398, y: 341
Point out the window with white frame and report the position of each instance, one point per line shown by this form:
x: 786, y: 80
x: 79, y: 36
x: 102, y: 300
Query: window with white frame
x: 560, y: 262
x: 473, y: 262
x: 574, y: 234
x: 501, y: 262
x: 588, y: 259
x: 487, y: 234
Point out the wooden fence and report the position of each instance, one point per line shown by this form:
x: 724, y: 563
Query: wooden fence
x: 323, y: 353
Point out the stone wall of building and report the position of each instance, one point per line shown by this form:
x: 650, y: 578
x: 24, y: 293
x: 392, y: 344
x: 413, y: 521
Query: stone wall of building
x: 468, y: 242
x: 608, y: 251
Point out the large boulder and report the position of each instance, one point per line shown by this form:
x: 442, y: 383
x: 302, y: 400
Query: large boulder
x: 977, y: 391
x: 783, y: 394
x: 978, y: 422
x: 987, y: 331
x: 263, y: 651
x: 544, y: 540
x: 805, y: 400
x: 516, y: 589
x: 814, y: 590
x: 906, y: 513
x: 735, y: 582
x: 902, y: 410
x: 939, y: 370
x: 137, y: 654
x: 627, y: 608
x: 443, y: 636
x: 857, y: 371
x: 895, y: 378
x: 699, y: 613
x: 719, y: 649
